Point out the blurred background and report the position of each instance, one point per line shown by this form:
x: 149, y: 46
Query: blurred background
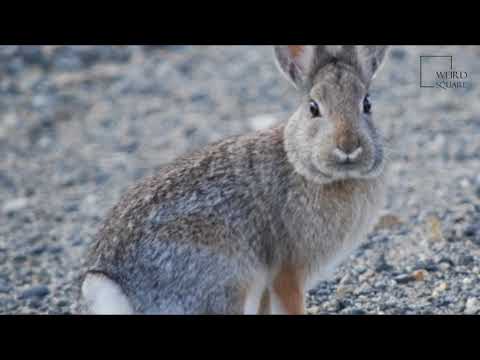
x: 78, y: 124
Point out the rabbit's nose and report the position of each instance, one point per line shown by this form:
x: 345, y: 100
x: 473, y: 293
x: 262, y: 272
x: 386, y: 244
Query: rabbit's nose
x: 342, y: 157
x: 346, y: 139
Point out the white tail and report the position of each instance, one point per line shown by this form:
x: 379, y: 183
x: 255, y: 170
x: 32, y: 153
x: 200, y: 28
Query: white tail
x: 104, y: 297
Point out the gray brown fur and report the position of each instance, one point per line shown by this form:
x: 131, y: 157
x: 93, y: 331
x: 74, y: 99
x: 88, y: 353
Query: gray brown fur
x: 195, y: 237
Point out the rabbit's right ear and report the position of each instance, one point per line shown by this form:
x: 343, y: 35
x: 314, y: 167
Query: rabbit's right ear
x: 295, y: 62
x: 371, y: 58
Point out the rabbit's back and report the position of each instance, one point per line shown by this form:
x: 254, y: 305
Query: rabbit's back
x: 200, y: 226
x: 208, y: 198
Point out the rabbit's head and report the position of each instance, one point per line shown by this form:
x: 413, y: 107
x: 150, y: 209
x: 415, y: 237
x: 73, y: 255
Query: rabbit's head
x: 331, y: 136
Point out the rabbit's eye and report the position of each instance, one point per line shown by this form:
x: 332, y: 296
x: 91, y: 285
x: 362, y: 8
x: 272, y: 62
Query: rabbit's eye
x: 367, y: 105
x: 314, y: 110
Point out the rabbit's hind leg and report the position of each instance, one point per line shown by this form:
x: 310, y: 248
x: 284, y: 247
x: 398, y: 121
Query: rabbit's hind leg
x: 194, y: 280
x: 241, y: 295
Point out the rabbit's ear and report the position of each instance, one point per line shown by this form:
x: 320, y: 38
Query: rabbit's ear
x: 295, y: 62
x: 371, y: 58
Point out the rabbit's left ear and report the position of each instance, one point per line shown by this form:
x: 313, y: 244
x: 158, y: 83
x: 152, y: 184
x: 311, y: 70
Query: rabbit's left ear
x: 371, y: 58
x: 295, y: 62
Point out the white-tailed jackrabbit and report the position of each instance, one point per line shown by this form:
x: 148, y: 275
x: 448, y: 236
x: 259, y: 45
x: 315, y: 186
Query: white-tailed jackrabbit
x: 249, y: 224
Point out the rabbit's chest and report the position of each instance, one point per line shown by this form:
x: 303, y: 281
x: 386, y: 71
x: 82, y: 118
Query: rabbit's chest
x: 324, y: 228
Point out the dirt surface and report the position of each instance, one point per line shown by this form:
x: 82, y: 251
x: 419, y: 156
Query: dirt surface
x: 80, y: 124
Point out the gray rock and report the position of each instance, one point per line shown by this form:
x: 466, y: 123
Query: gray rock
x: 38, y: 291
x: 38, y: 249
x: 465, y: 260
x: 404, y: 278
x: 63, y: 303
x: 6, y: 182
x: 34, y: 304
x: 55, y: 249
x: 71, y: 207
x: 471, y: 230
x: 20, y: 258
x: 76, y: 239
x: 476, y: 239
x: 472, y: 306
x: 381, y: 264
x: 428, y: 265
x: 5, y: 289
x: 16, y: 205
x: 354, y: 311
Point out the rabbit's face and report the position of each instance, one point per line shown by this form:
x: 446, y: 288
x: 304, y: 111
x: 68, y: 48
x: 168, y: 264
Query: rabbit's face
x: 332, y: 135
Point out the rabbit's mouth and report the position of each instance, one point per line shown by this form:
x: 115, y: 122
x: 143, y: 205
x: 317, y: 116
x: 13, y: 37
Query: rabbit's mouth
x: 345, y: 171
x: 335, y: 172
x: 326, y: 170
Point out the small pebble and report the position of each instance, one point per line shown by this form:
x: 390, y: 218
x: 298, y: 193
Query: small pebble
x: 55, y: 249
x: 38, y: 249
x: 428, y: 265
x: 388, y: 221
x: 366, y: 275
x: 470, y: 230
x: 5, y: 289
x: 381, y: 264
x: 38, y: 291
x: 472, y: 306
x: 34, y: 304
x: 476, y: 239
x: 355, y: 311
x: 420, y: 275
x: 404, y: 278
x: 63, y: 303
x: 439, y: 289
x: 20, y: 258
x: 347, y: 279
x: 15, y: 205
x: 434, y: 227
x: 343, y: 291
x: 465, y: 260
x: 444, y: 266
x: 313, y: 310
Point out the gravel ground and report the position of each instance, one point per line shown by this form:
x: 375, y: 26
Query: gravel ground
x: 80, y: 124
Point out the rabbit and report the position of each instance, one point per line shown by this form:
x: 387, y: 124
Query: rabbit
x: 249, y: 224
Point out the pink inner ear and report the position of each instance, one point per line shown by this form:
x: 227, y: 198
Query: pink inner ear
x: 295, y: 50
x: 301, y: 56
